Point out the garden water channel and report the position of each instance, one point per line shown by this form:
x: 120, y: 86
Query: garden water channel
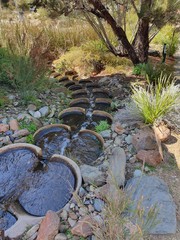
x: 41, y: 177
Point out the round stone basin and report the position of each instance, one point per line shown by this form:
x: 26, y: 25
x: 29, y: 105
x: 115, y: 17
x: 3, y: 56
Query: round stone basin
x: 75, y: 87
x: 73, y: 117
x: 6, y: 220
x: 92, y: 85
x: 17, y: 164
x: 69, y: 83
x: 85, y: 81
x: 103, y: 104
x: 80, y: 102
x: 36, y: 184
x: 86, y: 147
x: 82, y: 93
x: 99, y: 93
x: 52, y: 139
x: 52, y: 186
x: 98, y: 116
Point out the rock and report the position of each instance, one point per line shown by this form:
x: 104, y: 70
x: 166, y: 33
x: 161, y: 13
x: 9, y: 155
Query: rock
x: 49, y: 226
x: 4, y: 141
x: 72, y: 222
x: 162, y: 132
x: 128, y: 139
x: 151, y: 191
x: 32, y: 107
x: 44, y: 111
x: 117, y: 166
x: 20, y: 140
x: 37, y: 114
x: 82, y: 192
x: 83, y: 227
x: 32, y: 232
x: 98, y: 204
x: 144, y: 140
x: 20, y: 133
x: 126, y: 116
x: 118, y: 141
x: 60, y: 236
x: 64, y: 215
x: 106, y: 134
x: 4, y: 128
x: 151, y: 157
x: 14, y: 126
x: 117, y: 127
x: 132, y: 230
x: 73, y: 216
x: 137, y: 173
x: 92, y: 175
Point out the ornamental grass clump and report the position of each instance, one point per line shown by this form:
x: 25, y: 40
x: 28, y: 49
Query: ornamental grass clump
x: 155, y: 101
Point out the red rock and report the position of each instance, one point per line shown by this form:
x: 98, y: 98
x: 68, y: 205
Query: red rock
x: 83, y: 227
x: 14, y: 125
x: 144, y: 140
x: 49, y: 226
x: 162, y: 132
x: 151, y: 157
x: 21, y: 133
x: 118, y: 128
x: 4, y: 128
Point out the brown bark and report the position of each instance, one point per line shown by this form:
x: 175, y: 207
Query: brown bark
x: 118, y: 31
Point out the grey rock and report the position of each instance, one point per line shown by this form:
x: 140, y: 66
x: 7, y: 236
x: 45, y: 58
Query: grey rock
x: 152, y: 191
x: 72, y: 222
x: 44, y: 111
x: 64, y: 215
x: 117, y: 167
x: 128, y: 139
x: 11, y: 97
x: 106, y: 134
x: 21, y: 140
x: 31, y: 112
x: 118, y: 141
x: 37, y: 114
x: 98, y: 204
x: 20, y: 133
x: 92, y: 175
x: 82, y: 192
x: 4, y: 141
x: 32, y: 231
x: 137, y: 173
x: 60, y: 236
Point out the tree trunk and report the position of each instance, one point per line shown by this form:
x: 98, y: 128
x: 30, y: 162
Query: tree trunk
x: 118, y: 31
x: 141, y: 40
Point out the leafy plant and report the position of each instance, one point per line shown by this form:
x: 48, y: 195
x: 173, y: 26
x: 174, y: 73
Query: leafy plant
x: 31, y: 127
x: 102, y: 126
x: 154, y: 102
x: 30, y: 139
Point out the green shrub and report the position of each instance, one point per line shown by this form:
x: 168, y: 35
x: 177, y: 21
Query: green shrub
x: 102, y: 126
x: 154, y: 102
x: 151, y: 71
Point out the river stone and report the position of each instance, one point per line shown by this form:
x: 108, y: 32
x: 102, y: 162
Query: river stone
x: 37, y: 114
x: 98, y: 204
x: 117, y: 167
x: 106, y: 134
x: 155, y: 192
x: 44, y: 111
x: 92, y: 175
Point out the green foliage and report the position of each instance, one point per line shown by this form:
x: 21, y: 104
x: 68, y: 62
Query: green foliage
x: 31, y: 127
x: 151, y: 71
x: 30, y: 139
x: 170, y: 36
x: 102, y: 126
x: 154, y: 102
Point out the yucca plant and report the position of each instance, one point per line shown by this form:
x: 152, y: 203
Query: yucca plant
x: 154, y: 102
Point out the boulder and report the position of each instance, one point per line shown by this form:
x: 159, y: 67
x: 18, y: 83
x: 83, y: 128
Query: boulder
x: 148, y: 192
x: 44, y: 111
x: 151, y: 157
x: 92, y: 175
x: 49, y: 226
x: 144, y: 140
x: 117, y: 166
x: 83, y: 227
x: 162, y: 132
